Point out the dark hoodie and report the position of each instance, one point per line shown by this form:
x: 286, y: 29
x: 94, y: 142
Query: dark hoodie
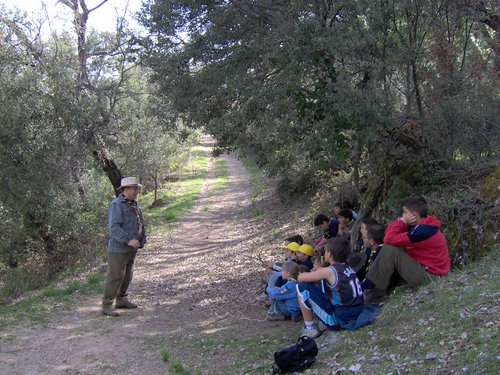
x: 425, y: 243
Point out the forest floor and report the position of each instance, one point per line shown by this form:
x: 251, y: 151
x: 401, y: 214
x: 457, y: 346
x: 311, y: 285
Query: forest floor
x: 196, y: 287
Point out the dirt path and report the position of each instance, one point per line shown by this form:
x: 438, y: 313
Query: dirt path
x: 196, y: 290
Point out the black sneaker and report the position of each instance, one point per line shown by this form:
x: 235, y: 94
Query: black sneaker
x: 374, y: 296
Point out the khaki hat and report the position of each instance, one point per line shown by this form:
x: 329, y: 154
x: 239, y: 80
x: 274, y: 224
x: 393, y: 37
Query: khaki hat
x: 129, y: 181
x: 306, y: 249
x: 294, y: 246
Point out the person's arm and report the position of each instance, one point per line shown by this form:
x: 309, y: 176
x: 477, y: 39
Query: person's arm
x: 320, y: 244
x: 422, y: 232
x: 144, y: 225
x: 285, y: 292
x: 396, y: 234
x: 115, y: 223
x: 334, y: 228
x: 314, y: 276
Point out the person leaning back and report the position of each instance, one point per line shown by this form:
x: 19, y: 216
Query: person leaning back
x: 126, y: 235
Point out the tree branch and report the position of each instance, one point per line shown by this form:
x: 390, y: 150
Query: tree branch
x: 97, y: 6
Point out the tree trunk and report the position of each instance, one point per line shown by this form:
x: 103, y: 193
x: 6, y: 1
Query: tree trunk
x: 416, y: 87
x: 101, y: 154
x: 109, y: 167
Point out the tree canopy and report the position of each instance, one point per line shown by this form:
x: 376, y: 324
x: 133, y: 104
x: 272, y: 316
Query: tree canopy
x: 332, y: 85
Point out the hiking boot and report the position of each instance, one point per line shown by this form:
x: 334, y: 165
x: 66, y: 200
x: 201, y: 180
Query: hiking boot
x: 313, y: 332
x: 296, y: 318
x: 275, y: 317
x: 125, y: 305
x: 375, y: 296
x: 110, y: 312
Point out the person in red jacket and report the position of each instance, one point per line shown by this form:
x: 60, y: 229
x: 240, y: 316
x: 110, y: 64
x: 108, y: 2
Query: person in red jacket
x: 414, y: 247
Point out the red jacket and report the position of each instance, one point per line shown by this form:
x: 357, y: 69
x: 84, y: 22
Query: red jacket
x: 425, y: 243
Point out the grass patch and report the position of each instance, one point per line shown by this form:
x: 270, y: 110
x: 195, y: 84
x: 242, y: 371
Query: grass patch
x: 178, y: 196
x: 175, y: 366
x: 449, y: 326
x: 165, y: 354
x: 221, y: 180
x: 257, y: 177
x: 37, y: 308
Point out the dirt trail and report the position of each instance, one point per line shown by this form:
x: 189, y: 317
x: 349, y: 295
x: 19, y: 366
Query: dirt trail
x: 195, y: 287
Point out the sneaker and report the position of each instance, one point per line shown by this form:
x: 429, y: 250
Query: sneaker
x: 275, y: 317
x: 312, y: 333
x: 297, y: 318
x: 374, y: 296
x: 125, y: 305
x: 110, y: 312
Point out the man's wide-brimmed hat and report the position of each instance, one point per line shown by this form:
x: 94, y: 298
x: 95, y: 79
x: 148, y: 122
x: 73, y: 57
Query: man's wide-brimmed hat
x: 129, y: 181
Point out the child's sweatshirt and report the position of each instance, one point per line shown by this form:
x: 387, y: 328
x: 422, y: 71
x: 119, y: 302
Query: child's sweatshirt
x: 288, y: 294
x: 425, y: 243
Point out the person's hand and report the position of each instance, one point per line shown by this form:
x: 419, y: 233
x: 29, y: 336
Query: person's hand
x: 134, y: 243
x: 410, y: 218
x: 267, y: 264
x: 316, y: 264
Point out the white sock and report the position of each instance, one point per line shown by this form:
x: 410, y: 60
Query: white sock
x: 309, y: 325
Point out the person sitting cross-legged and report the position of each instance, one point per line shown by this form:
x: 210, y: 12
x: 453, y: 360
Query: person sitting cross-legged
x: 339, y: 298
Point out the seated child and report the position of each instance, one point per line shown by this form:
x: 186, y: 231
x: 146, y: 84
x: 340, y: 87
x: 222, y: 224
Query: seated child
x: 373, y: 239
x: 302, y: 256
x: 339, y: 206
x: 414, y: 247
x: 274, y: 268
x: 346, y: 223
x: 330, y: 227
x: 340, y: 300
x: 284, y: 299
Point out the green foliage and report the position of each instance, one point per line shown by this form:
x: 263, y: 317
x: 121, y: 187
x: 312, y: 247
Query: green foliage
x: 178, y: 196
x: 38, y: 306
x: 257, y: 177
x: 165, y: 354
x: 175, y: 365
x: 61, y: 111
x: 491, y: 184
x: 220, y: 174
x: 363, y: 87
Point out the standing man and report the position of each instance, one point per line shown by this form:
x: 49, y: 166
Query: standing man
x: 126, y: 235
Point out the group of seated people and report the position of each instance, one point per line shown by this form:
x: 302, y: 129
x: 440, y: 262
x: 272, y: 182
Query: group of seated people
x: 335, y: 282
